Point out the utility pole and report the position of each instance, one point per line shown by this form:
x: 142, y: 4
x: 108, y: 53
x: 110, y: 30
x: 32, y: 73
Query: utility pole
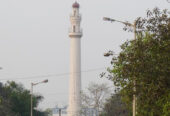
x: 31, y: 98
x: 134, y: 104
x: 33, y: 84
x: 60, y: 112
x: 134, y: 80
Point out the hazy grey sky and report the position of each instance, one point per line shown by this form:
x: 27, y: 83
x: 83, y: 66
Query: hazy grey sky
x: 34, y: 40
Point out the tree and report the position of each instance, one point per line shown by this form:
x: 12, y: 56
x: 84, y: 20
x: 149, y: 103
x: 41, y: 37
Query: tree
x: 96, y: 96
x: 49, y: 111
x: 5, y: 104
x: 147, y: 61
x: 15, y: 100
x: 114, y: 107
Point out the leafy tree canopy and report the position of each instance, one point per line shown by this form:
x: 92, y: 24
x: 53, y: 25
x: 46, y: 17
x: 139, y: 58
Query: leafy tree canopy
x: 15, y: 100
x: 147, y: 61
x: 114, y: 107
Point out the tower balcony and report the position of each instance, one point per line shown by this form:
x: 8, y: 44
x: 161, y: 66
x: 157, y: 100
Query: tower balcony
x: 77, y: 34
x: 75, y: 17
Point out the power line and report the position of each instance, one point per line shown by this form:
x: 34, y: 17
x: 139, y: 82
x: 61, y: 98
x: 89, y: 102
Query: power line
x: 50, y: 75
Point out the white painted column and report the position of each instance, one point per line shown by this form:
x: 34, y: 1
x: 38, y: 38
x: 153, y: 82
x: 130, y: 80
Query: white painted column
x: 75, y: 78
x: 75, y: 34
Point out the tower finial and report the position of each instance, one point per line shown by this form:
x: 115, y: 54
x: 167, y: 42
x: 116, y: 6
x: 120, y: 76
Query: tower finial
x: 75, y: 5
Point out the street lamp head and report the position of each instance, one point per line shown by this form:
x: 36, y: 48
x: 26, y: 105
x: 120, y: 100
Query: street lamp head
x: 45, y: 81
x: 106, y: 54
x: 109, y: 53
x: 108, y: 19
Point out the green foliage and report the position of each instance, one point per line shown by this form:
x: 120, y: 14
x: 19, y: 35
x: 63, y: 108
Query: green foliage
x: 147, y: 61
x: 16, y: 100
x: 166, y: 106
x: 5, y: 104
x: 49, y: 111
x: 114, y: 107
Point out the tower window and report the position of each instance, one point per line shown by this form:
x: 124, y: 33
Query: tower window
x: 74, y: 13
x: 74, y: 28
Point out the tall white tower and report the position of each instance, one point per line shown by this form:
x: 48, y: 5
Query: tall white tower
x: 75, y: 34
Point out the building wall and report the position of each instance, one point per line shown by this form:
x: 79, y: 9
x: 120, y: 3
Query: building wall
x: 85, y: 112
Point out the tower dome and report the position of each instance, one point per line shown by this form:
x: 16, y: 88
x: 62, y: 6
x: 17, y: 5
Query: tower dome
x: 76, y: 5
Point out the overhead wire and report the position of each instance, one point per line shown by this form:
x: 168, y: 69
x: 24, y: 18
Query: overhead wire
x: 49, y: 75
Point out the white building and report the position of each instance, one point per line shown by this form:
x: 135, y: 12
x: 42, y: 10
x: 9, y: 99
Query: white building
x: 59, y: 111
x: 84, y: 112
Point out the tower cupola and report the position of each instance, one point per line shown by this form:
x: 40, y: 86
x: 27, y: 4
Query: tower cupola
x: 75, y: 18
x: 76, y: 5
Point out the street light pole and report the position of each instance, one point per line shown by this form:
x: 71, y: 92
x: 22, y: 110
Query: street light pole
x: 31, y: 97
x: 134, y: 80
x: 33, y: 84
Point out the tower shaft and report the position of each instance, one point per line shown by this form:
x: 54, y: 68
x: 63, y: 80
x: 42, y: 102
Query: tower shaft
x: 75, y: 34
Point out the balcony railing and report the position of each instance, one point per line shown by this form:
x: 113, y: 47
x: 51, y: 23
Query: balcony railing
x: 71, y: 31
x: 75, y: 16
x: 76, y: 33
